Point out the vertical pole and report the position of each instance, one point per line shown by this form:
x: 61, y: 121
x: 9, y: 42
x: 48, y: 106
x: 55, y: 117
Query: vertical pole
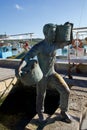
x: 31, y: 36
x: 76, y: 44
x: 69, y: 69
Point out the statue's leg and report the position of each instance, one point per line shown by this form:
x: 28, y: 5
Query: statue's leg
x: 56, y: 81
x: 41, y: 93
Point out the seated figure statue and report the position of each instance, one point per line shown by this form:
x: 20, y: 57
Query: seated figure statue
x: 46, y: 55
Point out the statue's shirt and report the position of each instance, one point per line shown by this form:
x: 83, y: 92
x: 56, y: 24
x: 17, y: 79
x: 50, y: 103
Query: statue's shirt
x: 46, y: 55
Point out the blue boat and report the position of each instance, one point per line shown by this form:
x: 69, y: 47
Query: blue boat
x: 5, y: 52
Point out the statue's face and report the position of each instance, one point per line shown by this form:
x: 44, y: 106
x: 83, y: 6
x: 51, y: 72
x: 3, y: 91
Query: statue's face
x: 50, y: 36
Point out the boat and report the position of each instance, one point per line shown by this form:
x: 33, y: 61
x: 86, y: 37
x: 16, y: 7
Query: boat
x: 5, y: 52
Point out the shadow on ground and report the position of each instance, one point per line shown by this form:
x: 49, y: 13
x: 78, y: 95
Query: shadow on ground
x: 19, y: 107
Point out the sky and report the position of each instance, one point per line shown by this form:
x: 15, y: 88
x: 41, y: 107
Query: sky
x: 29, y: 16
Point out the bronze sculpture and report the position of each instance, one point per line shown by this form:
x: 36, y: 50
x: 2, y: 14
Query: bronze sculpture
x: 46, y: 55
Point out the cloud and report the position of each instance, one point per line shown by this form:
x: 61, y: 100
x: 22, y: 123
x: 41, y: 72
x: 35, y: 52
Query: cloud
x: 18, y: 7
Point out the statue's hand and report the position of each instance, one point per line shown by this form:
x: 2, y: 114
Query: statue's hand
x: 20, y: 72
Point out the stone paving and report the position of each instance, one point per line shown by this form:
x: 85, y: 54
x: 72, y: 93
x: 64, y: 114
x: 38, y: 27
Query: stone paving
x: 6, y: 73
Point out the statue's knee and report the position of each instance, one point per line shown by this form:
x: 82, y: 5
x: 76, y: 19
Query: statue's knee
x: 66, y: 91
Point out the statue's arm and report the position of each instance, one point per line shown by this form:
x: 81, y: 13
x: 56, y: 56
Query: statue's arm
x: 30, y: 54
x: 33, y: 51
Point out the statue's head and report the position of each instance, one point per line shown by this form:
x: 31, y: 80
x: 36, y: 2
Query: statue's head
x: 49, y: 31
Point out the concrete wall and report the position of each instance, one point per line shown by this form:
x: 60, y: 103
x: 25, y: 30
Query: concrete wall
x: 74, y: 67
x: 13, y: 63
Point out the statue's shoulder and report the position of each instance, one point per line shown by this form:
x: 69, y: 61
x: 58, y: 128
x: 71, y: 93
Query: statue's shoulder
x: 41, y: 43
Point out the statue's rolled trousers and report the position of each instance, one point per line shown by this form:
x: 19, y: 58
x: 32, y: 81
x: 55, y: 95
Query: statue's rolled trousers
x: 46, y: 55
